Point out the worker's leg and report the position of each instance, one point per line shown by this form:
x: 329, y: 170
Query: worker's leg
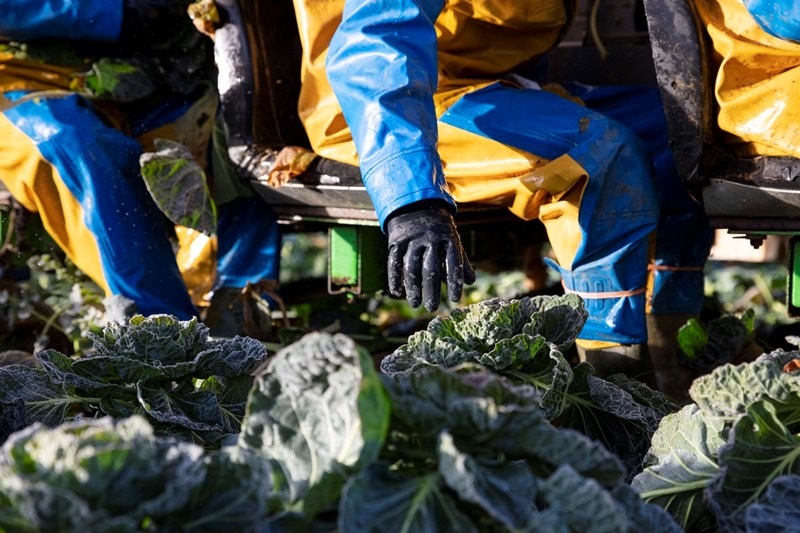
x: 249, y: 255
x: 683, y: 237
x: 58, y: 158
x: 249, y: 243
x: 603, y: 200
x: 677, y: 269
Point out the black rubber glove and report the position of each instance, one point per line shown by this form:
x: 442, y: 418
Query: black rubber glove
x: 424, y: 249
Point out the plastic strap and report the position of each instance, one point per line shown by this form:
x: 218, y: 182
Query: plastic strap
x: 6, y: 104
x: 653, y: 266
x: 603, y: 295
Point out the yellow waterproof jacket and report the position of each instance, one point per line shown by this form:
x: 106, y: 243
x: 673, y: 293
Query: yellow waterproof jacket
x: 478, y: 42
x: 757, y: 81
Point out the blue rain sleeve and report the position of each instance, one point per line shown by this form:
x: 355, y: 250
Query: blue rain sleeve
x: 382, y: 67
x: 26, y: 20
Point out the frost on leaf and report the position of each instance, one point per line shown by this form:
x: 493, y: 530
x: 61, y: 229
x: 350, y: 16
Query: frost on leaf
x: 492, y: 331
x: 321, y: 412
x: 97, y: 475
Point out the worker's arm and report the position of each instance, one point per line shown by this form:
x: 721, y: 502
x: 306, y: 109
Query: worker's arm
x: 26, y: 20
x: 383, y: 69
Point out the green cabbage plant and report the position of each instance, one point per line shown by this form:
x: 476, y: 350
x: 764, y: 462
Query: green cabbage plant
x: 524, y: 340
x: 730, y: 461
x: 438, y: 449
x: 168, y: 370
x: 102, y: 475
x: 477, y: 424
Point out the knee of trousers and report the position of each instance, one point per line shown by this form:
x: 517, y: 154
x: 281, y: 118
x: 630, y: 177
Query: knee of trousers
x: 618, y: 211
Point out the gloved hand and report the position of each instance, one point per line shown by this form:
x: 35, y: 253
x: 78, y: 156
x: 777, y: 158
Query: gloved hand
x: 424, y: 249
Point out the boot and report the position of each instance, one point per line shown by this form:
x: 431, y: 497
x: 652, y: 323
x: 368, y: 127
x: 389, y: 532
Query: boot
x: 671, y: 378
x: 233, y: 312
x: 633, y: 360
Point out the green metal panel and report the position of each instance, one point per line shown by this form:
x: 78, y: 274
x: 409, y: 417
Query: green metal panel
x: 794, y: 276
x: 343, y: 256
x: 355, y: 259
